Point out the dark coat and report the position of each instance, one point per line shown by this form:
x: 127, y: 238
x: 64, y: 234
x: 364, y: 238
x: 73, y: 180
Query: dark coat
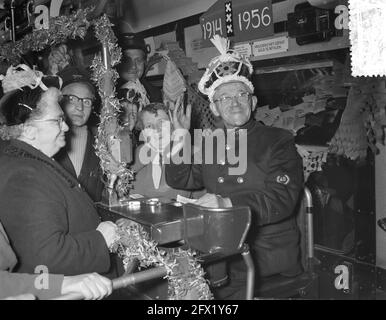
x: 3, y: 144
x: 272, y: 159
x: 13, y: 284
x: 49, y: 219
x: 90, y: 177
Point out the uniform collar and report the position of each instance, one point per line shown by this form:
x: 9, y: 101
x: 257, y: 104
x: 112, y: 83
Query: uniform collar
x: 250, y: 125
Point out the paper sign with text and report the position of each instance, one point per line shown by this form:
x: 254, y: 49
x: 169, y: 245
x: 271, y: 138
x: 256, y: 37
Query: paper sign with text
x: 270, y: 46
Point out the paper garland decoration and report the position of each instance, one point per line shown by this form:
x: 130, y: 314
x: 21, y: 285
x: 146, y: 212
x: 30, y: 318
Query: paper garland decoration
x: 174, y: 82
x: 362, y: 121
x: 293, y: 119
x: 202, y: 117
x: 313, y: 158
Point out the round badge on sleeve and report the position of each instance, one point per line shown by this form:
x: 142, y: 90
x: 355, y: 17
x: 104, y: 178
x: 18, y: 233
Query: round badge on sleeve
x: 283, y: 179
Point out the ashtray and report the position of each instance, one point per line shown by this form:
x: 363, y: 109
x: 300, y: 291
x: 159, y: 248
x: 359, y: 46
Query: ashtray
x: 153, y: 202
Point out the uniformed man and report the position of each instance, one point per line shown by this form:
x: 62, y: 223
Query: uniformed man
x: 132, y: 85
x: 133, y: 64
x: 271, y: 183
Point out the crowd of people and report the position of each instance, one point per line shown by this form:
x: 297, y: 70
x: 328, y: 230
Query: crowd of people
x: 51, y: 177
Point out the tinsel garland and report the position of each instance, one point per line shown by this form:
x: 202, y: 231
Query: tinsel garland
x: 60, y: 29
x: 109, y: 128
x: 184, y: 273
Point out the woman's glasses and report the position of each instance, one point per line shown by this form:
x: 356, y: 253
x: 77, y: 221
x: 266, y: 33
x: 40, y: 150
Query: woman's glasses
x: 60, y: 121
x: 86, y: 102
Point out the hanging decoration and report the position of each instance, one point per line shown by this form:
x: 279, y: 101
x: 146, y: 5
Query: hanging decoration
x: 174, y: 82
x: 184, y: 273
x: 324, y: 87
x: 313, y: 158
x: 202, y: 117
x: 363, y: 120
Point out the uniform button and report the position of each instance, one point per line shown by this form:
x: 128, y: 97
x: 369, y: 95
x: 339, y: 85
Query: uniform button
x: 220, y: 180
x: 240, y: 180
x: 228, y: 147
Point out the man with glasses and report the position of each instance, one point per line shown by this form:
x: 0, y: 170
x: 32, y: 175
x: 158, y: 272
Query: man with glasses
x: 270, y: 184
x: 78, y: 157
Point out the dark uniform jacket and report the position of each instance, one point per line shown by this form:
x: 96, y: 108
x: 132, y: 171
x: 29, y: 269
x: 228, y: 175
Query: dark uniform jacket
x: 49, y: 219
x: 154, y: 93
x: 270, y: 187
x: 90, y: 177
x: 3, y: 144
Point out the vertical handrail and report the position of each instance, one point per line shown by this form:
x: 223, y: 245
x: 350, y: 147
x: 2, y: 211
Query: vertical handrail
x: 108, y: 91
x: 250, y: 272
x: 310, y: 227
x: 13, y: 25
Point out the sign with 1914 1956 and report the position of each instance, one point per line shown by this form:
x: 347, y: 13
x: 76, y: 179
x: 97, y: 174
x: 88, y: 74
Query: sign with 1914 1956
x: 239, y: 21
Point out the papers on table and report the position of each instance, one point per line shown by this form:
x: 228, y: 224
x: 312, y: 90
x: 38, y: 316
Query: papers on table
x: 184, y: 200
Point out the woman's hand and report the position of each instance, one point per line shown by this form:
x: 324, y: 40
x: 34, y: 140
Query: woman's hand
x: 91, y: 286
x: 108, y: 230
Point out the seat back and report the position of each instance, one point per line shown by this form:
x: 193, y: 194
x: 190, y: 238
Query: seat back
x: 305, y: 284
x: 210, y: 230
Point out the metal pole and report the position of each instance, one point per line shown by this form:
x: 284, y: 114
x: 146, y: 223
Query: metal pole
x: 106, y: 56
x: 310, y: 230
x: 124, y: 281
x: 13, y: 27
x: 250, y: 273
x: 107, y: 91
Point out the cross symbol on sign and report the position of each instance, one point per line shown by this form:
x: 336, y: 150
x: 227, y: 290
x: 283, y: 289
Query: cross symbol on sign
x: 228, y: 17
x: 229, y: 29
x: 228, y: 7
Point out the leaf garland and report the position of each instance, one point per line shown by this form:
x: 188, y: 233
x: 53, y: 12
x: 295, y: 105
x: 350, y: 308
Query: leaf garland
x: 184, y: 273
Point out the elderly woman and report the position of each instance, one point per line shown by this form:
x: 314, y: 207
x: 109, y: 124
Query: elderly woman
x: 51, y: 222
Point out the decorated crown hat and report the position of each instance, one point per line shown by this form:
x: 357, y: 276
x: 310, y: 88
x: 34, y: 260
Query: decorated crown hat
x: 229, y: 66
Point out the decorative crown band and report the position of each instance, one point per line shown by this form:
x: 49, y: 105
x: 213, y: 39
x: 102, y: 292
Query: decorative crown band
x: 227, y: 67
